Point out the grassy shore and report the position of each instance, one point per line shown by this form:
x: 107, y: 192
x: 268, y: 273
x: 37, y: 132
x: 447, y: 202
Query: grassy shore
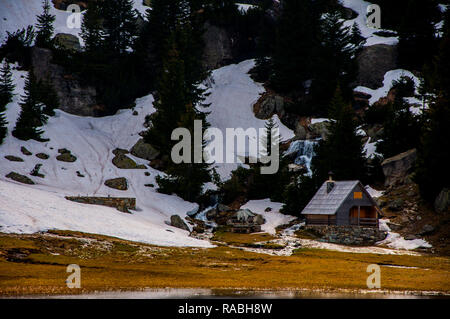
x: 36, y: 264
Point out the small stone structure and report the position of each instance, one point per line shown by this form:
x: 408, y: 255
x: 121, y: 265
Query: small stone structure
x: 122, y: 204
x: 348, y: 235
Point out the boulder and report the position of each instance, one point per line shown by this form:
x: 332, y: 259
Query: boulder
x: 268, y: 105
x: 65, y: 156
x: 396, y: 204
x: 218, y: 47
x: 178, y: 222
x: 319, y: 129
x: 67, y: 42
x: 442, y: 202
x: 373, y: 63
x: 144, y: 150
x: 427, y: 229
x: 259, y: 219
x: 124, y: 162
x: 397, y: 168
x: 13, y: 158
x: 26, y: 152
x: 119, y: 183
x: 20, y: 178
x: 35, y: 171
x: 74, y: 96
x: 42, y: 156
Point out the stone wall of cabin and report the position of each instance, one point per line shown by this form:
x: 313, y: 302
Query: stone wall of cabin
x: 348, y: 235
x: 122, y: 204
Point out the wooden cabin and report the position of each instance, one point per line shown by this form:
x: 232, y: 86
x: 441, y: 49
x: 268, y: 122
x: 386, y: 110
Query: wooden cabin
x: 342, y: 203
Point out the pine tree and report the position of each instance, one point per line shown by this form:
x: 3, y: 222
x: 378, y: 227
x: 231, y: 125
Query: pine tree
x: 31, y: 116
x: 6, y: 95
x: 342, y: 151
x: 119, y: 25
x: 45, y: 26
x: 92, y: 28
x: 296, y: 45
x: 417, y: 41
x: 176, y: 109
x: 6, y: 85
x: 335, y: 63
x: 432, y: 173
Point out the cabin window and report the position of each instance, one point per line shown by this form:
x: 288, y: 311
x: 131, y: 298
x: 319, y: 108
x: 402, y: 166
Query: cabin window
x: 357, y: 195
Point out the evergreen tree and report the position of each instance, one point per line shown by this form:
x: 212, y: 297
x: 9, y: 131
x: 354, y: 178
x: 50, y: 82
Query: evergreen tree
x: 119, y: 24
x: 45, y: 26
x: 6, y: 84
x: 417, y: 42
x: 296, y: 45
x: 175, y: 108
x: 432, y: 173
x: 31, y: 116
x: 6, y: 95
x: 92, y: 28
x: 342, y: 151
x: 335, y: 60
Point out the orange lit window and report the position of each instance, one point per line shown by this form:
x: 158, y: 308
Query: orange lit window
x: 357, y: 195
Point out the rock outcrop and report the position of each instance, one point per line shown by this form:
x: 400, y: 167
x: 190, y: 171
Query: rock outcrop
x: 123, y: 204
x: 397, y: 168
x: 177, y: 221
x: 20, y: 178
x: 67, y: 41
x: 65, y: 156
x: 442, y: 202
x: 13, y: 158
x: 373, y: 63
x: 268, y: 105
x: 119, y: 183
x: 218, y: 47
x: 74, y: 96
x: 144, y: 150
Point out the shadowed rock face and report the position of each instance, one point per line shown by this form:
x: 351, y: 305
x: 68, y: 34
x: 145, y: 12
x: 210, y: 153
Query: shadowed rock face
x: 218, y: 48
x: 74, y: 97
x: 117, y: 183
x: 397, y: 168
x: 20, y: 178
x: 373, y: 63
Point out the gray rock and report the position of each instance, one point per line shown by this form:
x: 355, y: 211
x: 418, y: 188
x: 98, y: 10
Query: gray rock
x: 20, y: 178
x: 119, y: 183
x: 144, y: 150
x: 218, y: 47
x: 397, y: 168
x: 259, y: 219
x: 65, y: 156
x: 192, y: 212
x: 26, y: 152
x: 42, y: 156
x: 320, y: 129
x: 410, y: 237
x: 67, y: 42
x: 396, y: 204
x: 177, y: 221
x: 74, y: 96
x: 427, y: 229
x: 442, y: 202
x: 223, y: 208
x: 124, y: 162
x: 373, y: 63
x: 13, y: 158
x: 268, y: 105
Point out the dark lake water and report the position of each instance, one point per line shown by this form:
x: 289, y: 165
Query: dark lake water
x: 240, y: 294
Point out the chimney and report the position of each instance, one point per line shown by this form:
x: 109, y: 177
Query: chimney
x: 330, y: 182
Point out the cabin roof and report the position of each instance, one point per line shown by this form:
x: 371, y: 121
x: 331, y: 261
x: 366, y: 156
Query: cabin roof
x: 324, y: 203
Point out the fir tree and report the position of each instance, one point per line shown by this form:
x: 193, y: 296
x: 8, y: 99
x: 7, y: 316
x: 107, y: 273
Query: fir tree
x: 296, y: 45
x: 342, y: 151
x: 6, y: 85
x: 432, y: 173
x: 45, y: 26
x: 119, y: 25
x: 31, y: 116
x: 6, y: 95
x: 92, y: 28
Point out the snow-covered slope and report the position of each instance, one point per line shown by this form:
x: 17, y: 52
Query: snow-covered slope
x: 360, y: 7
x: 232, y: 95
x: 42, y: 206
x: 18, y: 14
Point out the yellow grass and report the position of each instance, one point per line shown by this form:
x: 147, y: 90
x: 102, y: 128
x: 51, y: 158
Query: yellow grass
x: 109, y: 263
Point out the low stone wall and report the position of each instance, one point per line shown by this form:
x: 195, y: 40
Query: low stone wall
x: 348, y: 235
x: 122, y: 204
